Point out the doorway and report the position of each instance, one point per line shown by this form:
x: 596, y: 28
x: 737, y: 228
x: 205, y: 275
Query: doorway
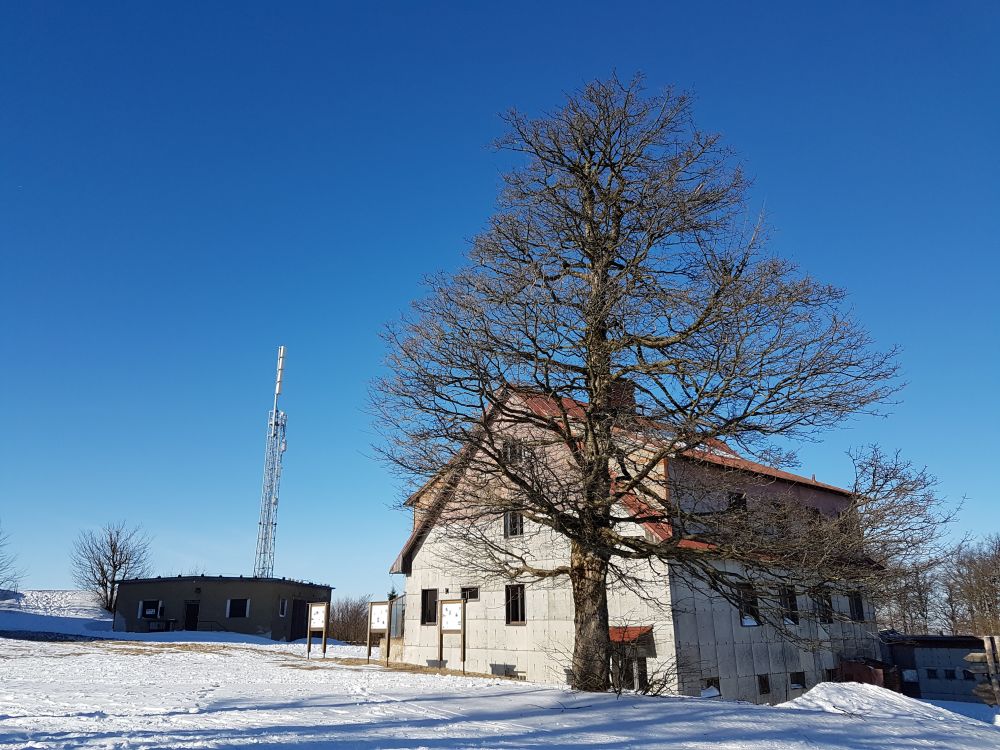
x: 299, y: 626
x: 191, y: 608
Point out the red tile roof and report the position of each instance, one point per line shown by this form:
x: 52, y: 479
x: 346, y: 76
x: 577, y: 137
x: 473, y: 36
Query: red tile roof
x: 628, y: 633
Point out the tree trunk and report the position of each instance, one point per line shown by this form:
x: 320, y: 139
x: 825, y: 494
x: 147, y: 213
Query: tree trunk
x: 591, y: 646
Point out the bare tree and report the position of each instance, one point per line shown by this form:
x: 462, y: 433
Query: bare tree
x: 103, y: 559
x: 349, y: 618
x: 10, y: 573
x: 618, y: 312
x: 971, y: 587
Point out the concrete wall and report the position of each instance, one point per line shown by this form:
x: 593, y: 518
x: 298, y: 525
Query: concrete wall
x: 212, y: 593
x: 713, y: 643
x: 941, y: 660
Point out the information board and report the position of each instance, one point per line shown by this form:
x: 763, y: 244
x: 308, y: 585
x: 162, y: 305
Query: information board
x: 317, y: 616
x: 451, y: 617
x: 380, y: 617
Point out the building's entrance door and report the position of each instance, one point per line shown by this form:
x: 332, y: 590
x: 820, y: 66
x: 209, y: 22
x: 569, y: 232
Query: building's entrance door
x: 300, y: 615
x: 191, y: 608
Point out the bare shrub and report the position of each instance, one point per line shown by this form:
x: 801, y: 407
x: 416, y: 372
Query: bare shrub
x: 349, y: 618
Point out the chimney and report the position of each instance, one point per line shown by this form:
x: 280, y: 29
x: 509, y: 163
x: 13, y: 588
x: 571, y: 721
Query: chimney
x: 621, y: 395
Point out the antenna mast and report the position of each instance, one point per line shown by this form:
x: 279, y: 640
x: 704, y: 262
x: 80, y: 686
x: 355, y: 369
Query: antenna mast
x: 274, y: 448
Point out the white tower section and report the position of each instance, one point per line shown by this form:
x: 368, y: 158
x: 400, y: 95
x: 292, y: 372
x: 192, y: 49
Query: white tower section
x: 274, y: 448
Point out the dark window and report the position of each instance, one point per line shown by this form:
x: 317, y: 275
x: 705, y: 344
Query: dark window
x: 968, y: 675
x: 516, y: 614
x: 282, y: 607
x: 932, y: 674
x: 513, y: 523
x: 824, y: 606
x: 789, y: 606
x: 763, y: 684
x: 857, y: 606
x: 238, y: 608
x: 749, y: 610
x: 149, y: 609
x: 512, y: 452
x: 831, y: 675
x: 949, y: 674
x: 429, y: 607
x: 797, y: 680
x: 737, y: 501
x: 470, y: 593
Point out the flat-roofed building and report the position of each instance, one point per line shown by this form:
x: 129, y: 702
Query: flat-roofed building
x: 275, y: 608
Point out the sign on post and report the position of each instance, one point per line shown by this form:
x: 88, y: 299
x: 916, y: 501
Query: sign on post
x: 451, y: 619
x: 319, y: 622
x: 379, y: 623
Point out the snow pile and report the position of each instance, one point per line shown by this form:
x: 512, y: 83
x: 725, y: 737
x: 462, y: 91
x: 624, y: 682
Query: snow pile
x: 870, y: 701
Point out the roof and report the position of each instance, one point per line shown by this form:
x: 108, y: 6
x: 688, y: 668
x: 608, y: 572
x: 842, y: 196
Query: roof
x: 628, y: 633
x: 715, y: 451
x: 927, y: 640
x: 222, y: 579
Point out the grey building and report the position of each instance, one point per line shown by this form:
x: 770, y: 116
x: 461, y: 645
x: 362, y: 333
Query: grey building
x: 933, y: 666
x: 274, y: 608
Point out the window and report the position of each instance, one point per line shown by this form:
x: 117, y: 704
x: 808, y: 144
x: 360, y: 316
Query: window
x: 831, y: 675
x: 512, y: 452
x: 824, y: 606
x: 513, y: 523
x: 470, y: 593
x: 737, y: 501
x: 789, y: 606
x: 932, y: 674
x: 429, y: 607
x: 763, y: 684
x: 857, y: 606
x: 949, y: 674
x: 968, y: 675
x: 749, y: 610
x: 797, y: 680
x: 150, y: 609
x: 238, y: 608
x: 515, y: 605
x: 282, y: 607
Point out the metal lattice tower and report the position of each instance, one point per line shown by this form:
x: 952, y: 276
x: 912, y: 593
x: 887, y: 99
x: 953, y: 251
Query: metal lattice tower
x: 274, y: 448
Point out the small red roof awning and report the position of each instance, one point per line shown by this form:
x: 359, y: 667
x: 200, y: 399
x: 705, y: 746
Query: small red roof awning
x: 628, y: 634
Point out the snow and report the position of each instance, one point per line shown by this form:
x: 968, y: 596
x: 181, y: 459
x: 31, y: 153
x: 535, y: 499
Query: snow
x: 102, y: 694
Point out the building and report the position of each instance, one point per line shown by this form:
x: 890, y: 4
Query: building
x: 274, y: 608
x: 678, y: 636
x: 933, y: 666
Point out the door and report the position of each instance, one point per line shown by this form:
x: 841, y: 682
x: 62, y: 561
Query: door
x: 191, y: 608
x: 299, y: 626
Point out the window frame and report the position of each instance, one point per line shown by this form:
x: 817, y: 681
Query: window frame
x: 515, y: 594
x: 823, y: 600
x: 797, y: 684
x: 428, y: 617
x: 282, y: 607
x: 513, y: 524
x: 229, y: 608
x: 932, y: 673
x: 950, y: 674
x: 856, y: 606
x: 749, y: 606
x: 465, y: 593
x: 763, y: 684
x: 788, y: 600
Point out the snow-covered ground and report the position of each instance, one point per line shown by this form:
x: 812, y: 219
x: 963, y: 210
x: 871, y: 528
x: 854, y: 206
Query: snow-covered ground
x: 114, y: 694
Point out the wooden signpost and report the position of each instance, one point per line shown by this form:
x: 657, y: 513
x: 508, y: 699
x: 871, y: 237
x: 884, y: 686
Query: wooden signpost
x: 986, y: 663
x: 451, y: 619
x: 319, y: 622
x: 379, y: 623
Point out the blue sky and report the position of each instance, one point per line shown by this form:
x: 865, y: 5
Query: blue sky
x: 185, y: 186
